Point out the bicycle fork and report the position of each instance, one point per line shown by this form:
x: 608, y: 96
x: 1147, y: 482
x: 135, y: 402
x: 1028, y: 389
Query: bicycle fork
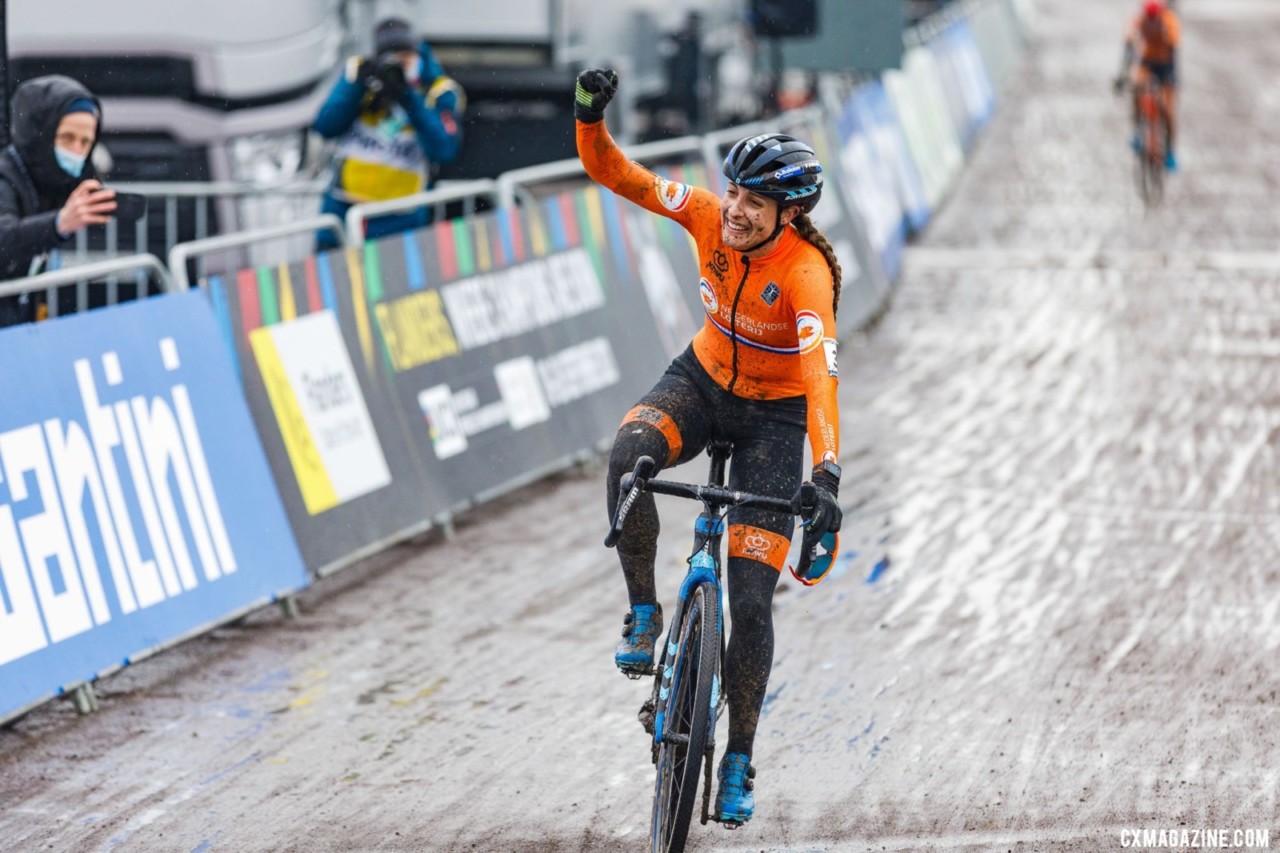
x: 702, y: 570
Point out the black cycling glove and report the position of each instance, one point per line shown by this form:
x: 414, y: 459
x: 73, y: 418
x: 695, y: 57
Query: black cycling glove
x: 815, y: 502
x: 826, y: 516
x: 596, y: 87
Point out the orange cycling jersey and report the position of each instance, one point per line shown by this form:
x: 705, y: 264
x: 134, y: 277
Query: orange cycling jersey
x: 770, y: 329
x: 1158, y: 36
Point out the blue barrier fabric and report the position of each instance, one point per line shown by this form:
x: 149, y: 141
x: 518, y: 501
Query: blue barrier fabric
x: 891, y: 144
x: 870, y: 162
x: 926, y: 122
x: 979, y: 94
x: 999, y: 38
x: 964, y: 80
x: 135, y: 500
x: 865, y: 284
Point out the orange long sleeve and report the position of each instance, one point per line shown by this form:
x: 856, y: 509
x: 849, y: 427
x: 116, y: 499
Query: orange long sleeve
x: 769, y: 330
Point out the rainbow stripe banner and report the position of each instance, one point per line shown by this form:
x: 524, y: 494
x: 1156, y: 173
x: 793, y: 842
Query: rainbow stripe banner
x: 459, y: 357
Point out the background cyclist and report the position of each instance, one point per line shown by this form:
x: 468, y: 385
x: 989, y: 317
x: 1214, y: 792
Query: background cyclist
x: 760, y: 373
x: 1150, y: 50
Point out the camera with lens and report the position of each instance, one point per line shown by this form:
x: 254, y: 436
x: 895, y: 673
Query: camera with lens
x: 388, y: 72
x: 384, y: 77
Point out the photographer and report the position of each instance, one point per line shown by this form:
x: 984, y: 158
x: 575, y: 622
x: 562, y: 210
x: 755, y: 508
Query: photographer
x: 48, y: 188
x: 394, y: 116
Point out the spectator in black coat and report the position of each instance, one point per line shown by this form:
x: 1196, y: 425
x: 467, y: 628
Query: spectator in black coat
x: 48, y: 189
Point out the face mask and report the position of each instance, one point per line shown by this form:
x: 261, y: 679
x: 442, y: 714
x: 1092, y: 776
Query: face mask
x: 72, y: 164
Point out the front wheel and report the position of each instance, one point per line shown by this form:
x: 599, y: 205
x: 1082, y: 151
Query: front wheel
x: 1153, y: 174
x: 1150, y: 162
x: 685, y: 721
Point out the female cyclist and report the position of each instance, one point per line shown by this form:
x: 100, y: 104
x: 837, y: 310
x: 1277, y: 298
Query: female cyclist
x: 1151, y: 50
x: 761, y: 374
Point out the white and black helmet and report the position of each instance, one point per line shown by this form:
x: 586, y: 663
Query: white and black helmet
x: 776, y: 166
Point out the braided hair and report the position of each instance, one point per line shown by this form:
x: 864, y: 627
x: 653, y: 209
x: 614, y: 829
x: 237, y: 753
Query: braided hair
x: 810, y: 232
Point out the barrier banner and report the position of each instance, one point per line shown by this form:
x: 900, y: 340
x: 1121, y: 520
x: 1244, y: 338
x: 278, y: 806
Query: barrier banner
x: 868, y: 169
x: 877, y: 109
x: 339, y: 451
x: 543, y: 337
x: 922, y: 111
x: 864, y: 285
x: 135, y: 501
x: 998, y: 37
x: 948, y: 157
x: 980, y: 96
x: 964, y: 80
x: 403, y: 379
x: 1025, y: 11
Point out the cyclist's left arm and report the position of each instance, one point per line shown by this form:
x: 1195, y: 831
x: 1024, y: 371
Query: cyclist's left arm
x: 810, y: 286
x: 1172, y: 33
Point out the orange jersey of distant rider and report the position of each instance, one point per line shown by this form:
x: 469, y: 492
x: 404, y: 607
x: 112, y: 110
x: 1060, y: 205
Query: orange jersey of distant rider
x: 1157, y: 37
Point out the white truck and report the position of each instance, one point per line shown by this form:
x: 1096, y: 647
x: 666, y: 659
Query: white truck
x: 191, y: 91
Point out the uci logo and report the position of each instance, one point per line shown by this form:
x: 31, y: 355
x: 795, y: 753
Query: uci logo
x: 709, y: 300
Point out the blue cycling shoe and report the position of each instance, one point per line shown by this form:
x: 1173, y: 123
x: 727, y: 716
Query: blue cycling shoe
x: 734, y: 801
x: 1170, y: 162
x: 640, y: 629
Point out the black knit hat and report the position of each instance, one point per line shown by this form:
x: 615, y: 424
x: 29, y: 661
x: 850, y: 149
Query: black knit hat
x: 393, y: 35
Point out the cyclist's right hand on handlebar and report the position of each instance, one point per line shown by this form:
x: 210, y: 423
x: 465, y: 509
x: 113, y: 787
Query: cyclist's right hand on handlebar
x: 595, y: 89
x: 627, y: 494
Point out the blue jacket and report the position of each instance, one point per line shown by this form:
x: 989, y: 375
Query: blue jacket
x: 386, y: 151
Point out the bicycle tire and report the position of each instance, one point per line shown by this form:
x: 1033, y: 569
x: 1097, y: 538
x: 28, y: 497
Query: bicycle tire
x: 688, y: 712
x: 1153, y: 164
x: 1151, y: 179
x: 1155, y: 181
x: 1151, y: 154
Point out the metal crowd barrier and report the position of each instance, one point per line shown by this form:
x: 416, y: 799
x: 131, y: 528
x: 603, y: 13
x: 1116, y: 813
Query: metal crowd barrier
x: 465, y: 191
x: 181, y: 253
x: 80, y: 275
x: 230, y: 204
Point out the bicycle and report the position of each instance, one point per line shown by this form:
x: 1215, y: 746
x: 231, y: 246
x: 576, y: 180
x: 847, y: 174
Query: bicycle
x: 1151, y: 134
x: 688, y: 696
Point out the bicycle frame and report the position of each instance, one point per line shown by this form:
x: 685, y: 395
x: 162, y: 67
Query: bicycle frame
x: 1150, y: 130
x: 1149, y: 112
x: 704, y: 567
